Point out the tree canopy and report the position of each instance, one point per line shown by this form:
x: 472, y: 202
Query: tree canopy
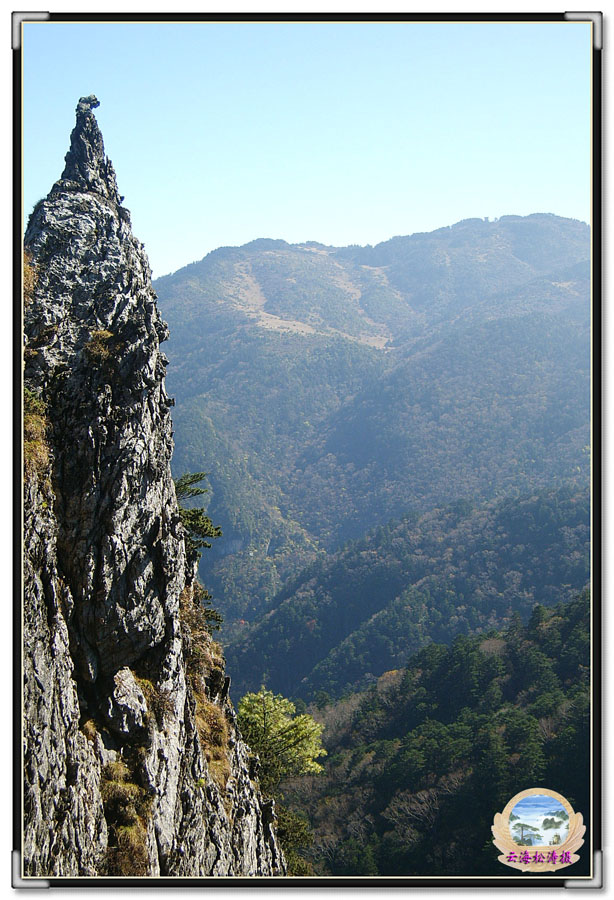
x: 287, y: 744
x: 418, y: 765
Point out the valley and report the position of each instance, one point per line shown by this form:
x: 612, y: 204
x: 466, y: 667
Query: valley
x: 330, y: 393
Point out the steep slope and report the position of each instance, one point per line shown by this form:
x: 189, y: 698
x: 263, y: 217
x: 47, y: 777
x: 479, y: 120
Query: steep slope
x: 345, y: 386
x: 452, y: 571
x: 133, y: 763
x: 494, y: 401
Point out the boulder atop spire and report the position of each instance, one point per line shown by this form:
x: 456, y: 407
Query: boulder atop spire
x: 86, y: 167
x: 87, y: 103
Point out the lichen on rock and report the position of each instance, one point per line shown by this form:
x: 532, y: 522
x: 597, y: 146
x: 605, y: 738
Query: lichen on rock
x: 104, y: 569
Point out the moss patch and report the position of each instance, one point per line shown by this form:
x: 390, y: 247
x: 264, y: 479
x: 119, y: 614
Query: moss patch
x: 36, y: 453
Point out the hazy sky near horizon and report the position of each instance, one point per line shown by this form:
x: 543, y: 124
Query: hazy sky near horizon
x: 338, y: 132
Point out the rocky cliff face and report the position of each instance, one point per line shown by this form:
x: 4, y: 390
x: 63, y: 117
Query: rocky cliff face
x: 133, y: 762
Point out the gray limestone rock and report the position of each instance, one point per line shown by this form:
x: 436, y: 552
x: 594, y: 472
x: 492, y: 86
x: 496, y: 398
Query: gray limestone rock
x: 126, y: 709
x: 65, y: 832
x: 117, y: 777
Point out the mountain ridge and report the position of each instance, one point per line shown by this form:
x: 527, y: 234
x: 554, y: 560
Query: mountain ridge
x: 312, y: 437
x: 450, y: 236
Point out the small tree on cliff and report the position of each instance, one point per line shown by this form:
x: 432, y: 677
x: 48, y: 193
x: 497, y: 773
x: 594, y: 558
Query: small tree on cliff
x: 198, y: 526
x: 286, y: 744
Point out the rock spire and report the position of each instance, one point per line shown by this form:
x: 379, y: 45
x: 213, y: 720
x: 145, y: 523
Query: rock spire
x: 87, y: 167
x: 133, y: 762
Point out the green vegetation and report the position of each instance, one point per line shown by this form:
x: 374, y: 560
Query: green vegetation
x: 36, y: 452
x: 552, y: 823
x: 295, y: 837
x: 419, y: 766
x: 456, y: 570
x: 318, y: 429
x: 399, y: 439
x: 198, y: 526
x: 287, y: 745
x: 525, y: 834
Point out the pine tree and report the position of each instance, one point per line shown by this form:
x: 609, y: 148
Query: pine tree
x: 198, y: 526
x: 286, y: 744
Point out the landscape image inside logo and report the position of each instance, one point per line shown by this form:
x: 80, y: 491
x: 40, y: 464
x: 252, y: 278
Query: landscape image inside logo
x: 539, y: 820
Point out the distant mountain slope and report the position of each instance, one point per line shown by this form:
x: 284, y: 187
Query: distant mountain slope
x: 455, y: 267
x: 389, y: 289
x: 327, y: 389
x: 493, y: 402
x: 452, y: 571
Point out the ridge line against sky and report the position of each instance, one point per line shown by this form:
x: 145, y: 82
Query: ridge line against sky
x: 341, y: 133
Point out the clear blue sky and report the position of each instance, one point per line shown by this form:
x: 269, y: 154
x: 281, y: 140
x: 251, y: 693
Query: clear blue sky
x: 343, y: 133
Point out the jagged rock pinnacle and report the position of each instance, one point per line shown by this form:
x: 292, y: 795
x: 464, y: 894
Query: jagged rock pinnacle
x: 106, y: 583
x: 87, y: 167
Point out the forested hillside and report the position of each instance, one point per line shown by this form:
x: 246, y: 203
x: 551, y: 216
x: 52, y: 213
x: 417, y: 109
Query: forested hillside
x: 327, y: 391
x: 418, y: 766
x: 452, y: 571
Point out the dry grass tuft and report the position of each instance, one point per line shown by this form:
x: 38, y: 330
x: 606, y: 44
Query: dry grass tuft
x: 211, y: 723
x: 127, y: 808
x: 129, y: 856
x: 90, y: 730
x: 205, y: 667
x: 36, y: 453
x: 213, y: 734
x: 98, y: 348
x: 159, y: 701
x: 30, y: 278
